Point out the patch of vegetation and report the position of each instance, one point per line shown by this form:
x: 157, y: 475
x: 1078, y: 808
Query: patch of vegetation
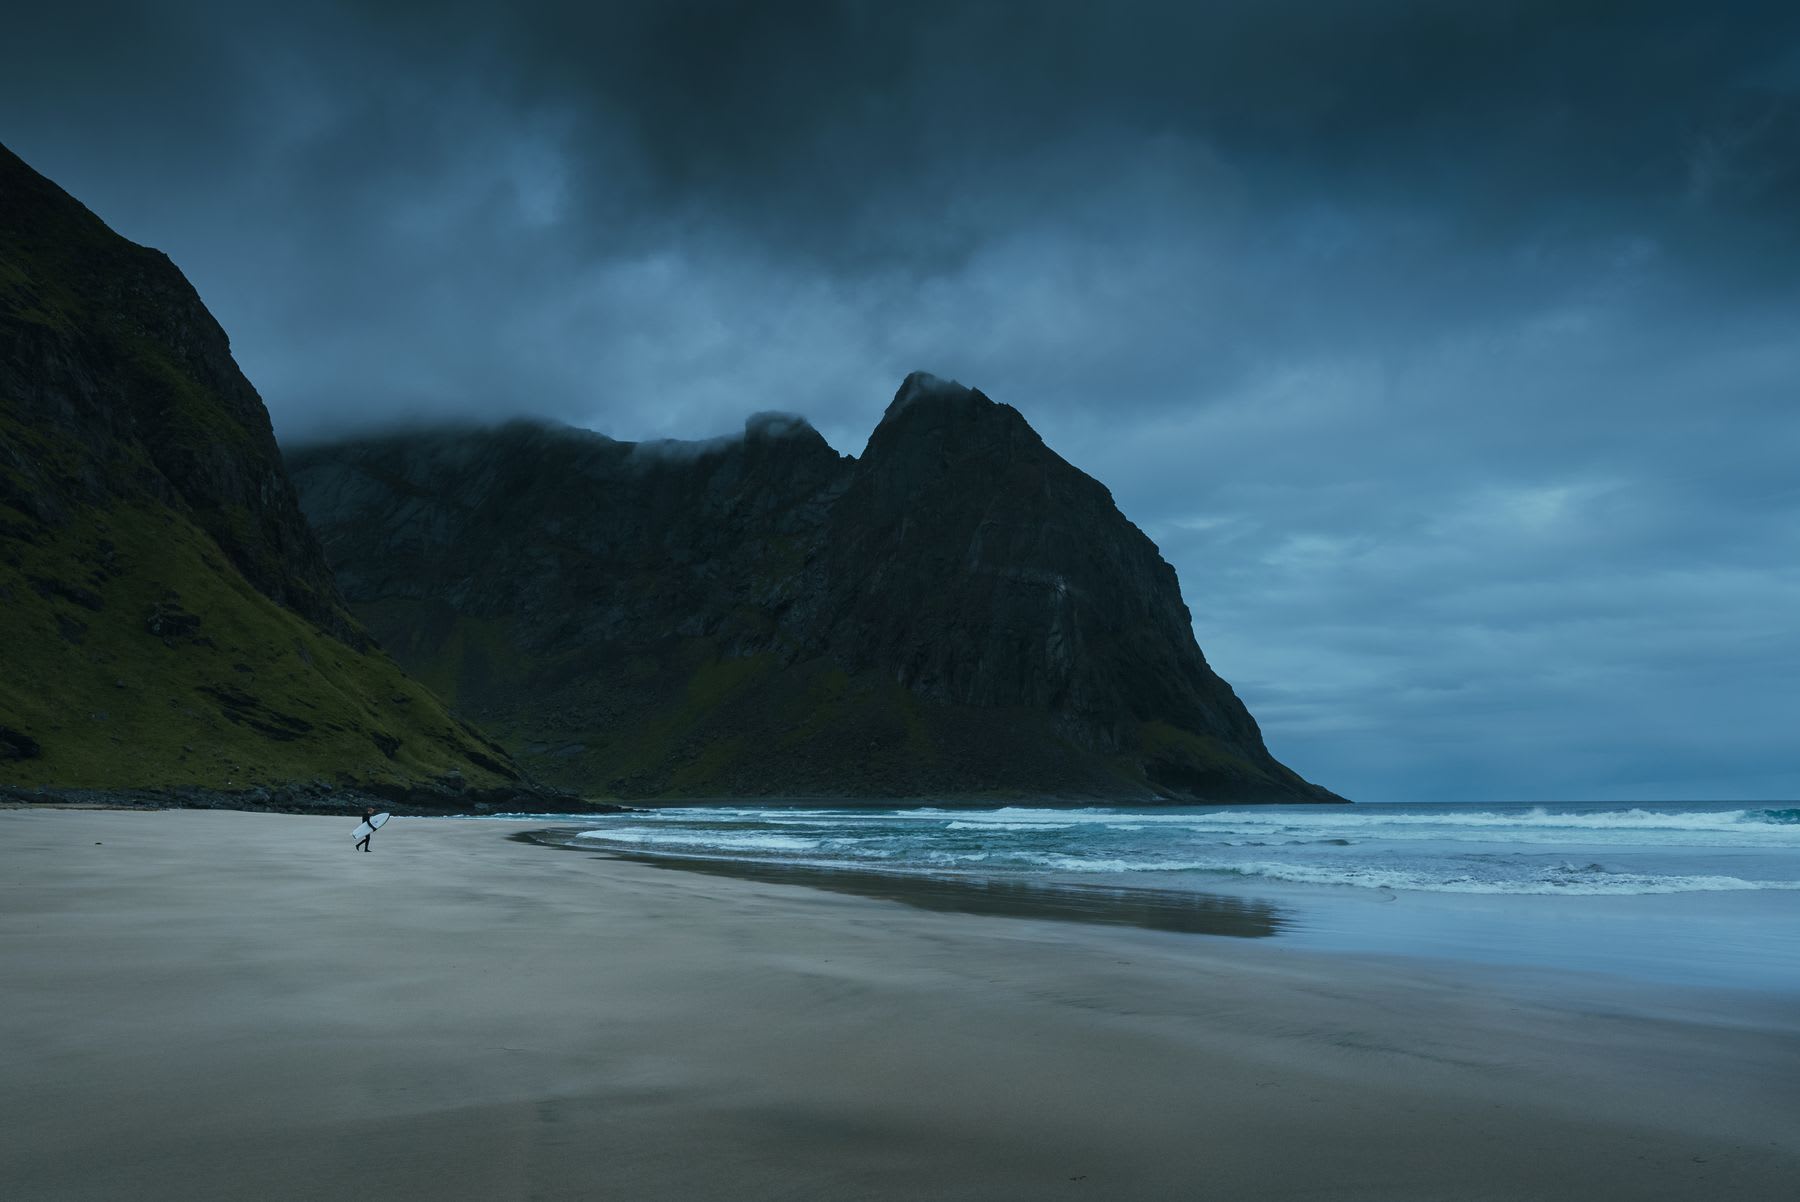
x: 452, y: 654
x: 249, y: 694
x: 692, y: 721
x: 143, y: 547
x: 191, y: 414
x: 1177, y: 758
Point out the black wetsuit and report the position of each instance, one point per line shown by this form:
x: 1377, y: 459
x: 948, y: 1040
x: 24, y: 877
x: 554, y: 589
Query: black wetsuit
x: 370, y: 819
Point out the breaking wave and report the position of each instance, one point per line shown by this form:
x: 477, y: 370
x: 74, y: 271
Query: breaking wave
x: 1538, y: 849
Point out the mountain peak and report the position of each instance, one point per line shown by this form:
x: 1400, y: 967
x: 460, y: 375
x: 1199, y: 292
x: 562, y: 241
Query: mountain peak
x: 931, y: 418
x: 922, y: 392
x: 773, y: 425
x: 922, y: 385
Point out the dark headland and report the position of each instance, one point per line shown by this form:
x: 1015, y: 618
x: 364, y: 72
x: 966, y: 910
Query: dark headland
x: 956, y: 612
x: 446, y: 618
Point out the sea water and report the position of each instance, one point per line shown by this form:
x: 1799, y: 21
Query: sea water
x: 1695, y: 893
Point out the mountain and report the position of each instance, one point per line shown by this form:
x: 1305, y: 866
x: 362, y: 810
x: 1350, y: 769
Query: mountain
x: 957, y: 612
x: 166, y: 615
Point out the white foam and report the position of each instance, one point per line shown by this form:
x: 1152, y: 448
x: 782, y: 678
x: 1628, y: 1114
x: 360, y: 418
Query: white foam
x: 1586, y: 881
x: 702, y: 840
x: 1008, y: 826
x: 1537, y: 816
x: 1345, y: 817
x: 1540, y: 825
x: 1062, y: 863
x: 1377, y: 849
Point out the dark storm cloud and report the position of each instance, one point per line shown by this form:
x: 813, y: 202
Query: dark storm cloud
x: 1447, y: 349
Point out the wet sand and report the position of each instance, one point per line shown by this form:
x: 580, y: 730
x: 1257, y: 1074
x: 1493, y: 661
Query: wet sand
x: 222, y: 1005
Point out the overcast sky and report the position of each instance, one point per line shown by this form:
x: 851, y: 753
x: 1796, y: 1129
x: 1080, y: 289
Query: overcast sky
x: 1450, y: 351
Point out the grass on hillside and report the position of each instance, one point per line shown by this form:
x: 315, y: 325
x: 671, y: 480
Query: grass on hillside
x: 251, y: 694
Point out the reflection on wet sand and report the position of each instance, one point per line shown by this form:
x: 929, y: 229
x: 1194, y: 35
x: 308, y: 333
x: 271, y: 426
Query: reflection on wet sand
x: 1154, y: 909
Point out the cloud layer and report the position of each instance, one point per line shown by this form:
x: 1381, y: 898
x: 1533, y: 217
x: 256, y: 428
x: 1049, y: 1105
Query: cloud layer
x: 1447, y: 351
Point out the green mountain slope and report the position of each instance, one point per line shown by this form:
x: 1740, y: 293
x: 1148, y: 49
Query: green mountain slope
x: 166, y: 616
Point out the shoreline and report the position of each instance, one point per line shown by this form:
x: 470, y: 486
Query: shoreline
x: 1629, y: 943
x: 225, y: 1004
x: 304, y: 798
x: 319, y: 797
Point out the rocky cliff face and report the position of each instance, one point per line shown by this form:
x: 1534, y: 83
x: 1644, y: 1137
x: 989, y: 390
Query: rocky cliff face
x: 959, y: 611
x: 166, y: 615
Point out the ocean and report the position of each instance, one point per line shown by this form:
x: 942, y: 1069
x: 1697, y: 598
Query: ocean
x: 1701, y: 894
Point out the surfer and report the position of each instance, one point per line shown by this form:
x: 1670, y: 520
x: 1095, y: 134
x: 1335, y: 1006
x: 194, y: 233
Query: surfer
x: 368, y: 821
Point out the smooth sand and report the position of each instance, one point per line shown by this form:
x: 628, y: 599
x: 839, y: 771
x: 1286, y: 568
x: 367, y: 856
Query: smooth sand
x: 201, y: 1005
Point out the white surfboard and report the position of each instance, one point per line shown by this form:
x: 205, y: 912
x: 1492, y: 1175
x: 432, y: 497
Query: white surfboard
x: 370, y: 827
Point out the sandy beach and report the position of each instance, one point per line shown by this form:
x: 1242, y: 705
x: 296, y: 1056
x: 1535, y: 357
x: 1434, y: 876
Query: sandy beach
x: 199, y: 1005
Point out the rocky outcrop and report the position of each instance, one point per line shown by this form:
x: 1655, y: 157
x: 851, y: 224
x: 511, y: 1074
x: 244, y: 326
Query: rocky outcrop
x: 166, y: 615
x: 957, y: 612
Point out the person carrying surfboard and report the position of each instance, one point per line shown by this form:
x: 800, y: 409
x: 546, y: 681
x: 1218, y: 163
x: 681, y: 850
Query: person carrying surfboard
x: 368, y: 821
